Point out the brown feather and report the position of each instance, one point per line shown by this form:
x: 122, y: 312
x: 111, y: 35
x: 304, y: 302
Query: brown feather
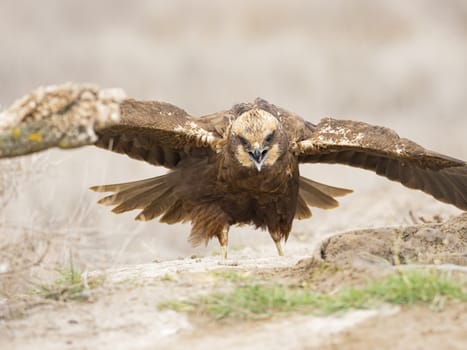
x: 302, y: 212
x: 384, y: 152
x: 326, y: 189
x: 315, y: 198
x: 207, y: 222
x: 158, y: 133
x: 174, y: 214
x: 121, y: 196
x: 127, y: 185
x: 155, y: 204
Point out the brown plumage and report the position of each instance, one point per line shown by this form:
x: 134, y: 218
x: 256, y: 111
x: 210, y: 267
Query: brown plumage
x: 241, y: 166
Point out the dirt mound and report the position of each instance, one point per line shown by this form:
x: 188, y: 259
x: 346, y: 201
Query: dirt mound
x: 439, y: 243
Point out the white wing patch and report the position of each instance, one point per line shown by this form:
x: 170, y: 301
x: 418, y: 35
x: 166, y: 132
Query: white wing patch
x: 193, y: 131
x: 330, y: 133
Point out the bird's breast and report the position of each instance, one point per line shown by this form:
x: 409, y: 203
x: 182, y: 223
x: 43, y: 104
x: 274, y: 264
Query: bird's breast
x: 262, y: 205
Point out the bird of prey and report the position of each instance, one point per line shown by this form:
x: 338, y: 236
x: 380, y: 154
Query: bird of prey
x: 241, y: 166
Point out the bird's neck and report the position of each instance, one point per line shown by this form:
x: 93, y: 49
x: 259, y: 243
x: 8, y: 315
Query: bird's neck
x: 270, y: 179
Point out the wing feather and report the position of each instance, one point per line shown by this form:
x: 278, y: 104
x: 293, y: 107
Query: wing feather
x: 381, y: 150
x: 159, y: 133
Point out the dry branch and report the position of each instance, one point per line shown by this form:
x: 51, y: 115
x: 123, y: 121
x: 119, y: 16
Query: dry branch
x: 64, y: 116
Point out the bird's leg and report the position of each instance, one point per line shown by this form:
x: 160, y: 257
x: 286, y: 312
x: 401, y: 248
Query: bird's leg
x: 223, y: 238
x: 276, y: 237
x: 279, y: 248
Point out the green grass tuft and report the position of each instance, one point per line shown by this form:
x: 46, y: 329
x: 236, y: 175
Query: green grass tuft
x: 417, y: 287
x: 167, y: 278
x: 70, y: 286
x: 262, y: 301
x: 233, y: 276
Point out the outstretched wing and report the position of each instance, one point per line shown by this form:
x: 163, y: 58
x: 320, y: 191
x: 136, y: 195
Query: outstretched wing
x: 158, y: 133
x: 381, y: 150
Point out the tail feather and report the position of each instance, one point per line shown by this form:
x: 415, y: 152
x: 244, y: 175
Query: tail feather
x: 174, y: 214
x: 157, y: 206
x: 302, y: 211
x: 154, y: 196
x: 326, y: 189
x: 128, y: 185
x: 139, y: 199
x: 125, y: 195
x: 319, y: 195
x: 142, y: 200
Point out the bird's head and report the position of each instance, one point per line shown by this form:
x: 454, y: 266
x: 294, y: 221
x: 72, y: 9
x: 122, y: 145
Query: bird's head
x: 257, y: 139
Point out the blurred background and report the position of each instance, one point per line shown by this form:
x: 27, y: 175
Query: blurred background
x: 401, y: 64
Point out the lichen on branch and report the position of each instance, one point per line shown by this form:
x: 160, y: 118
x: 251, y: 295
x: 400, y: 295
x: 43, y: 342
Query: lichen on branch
x: 64, y: 116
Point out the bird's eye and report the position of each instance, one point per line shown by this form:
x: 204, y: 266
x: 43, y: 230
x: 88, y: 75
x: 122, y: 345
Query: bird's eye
x: 243, y: 141
x: 269, y: 137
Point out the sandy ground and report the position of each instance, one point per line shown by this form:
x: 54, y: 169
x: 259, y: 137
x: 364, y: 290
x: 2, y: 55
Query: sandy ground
x: 123, y: 313
x: 396, y: 64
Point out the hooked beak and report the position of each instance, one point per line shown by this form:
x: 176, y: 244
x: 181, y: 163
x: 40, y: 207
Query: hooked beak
x: 258, y: 157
